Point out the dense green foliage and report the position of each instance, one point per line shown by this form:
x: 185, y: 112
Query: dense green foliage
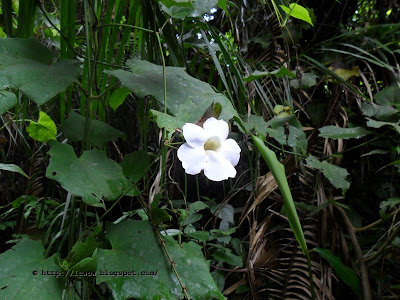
x: 95, y: 202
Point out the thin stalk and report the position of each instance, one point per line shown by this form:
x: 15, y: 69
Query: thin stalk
x: 7, y: 14
x: 310, y: 275
x: 360, y: 258
x: 127, y: 25
x: 89, y: 77
x: 164, y: 134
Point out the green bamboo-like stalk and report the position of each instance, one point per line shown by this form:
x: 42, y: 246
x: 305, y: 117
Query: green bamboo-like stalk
x: 88, y: 111
x: 6, y: 6
x: 109, y: 49
x: 67, y: 39
x: 26, y: 18
x: 133, y: 18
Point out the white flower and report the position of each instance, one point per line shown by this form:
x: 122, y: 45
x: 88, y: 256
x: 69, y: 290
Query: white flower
x: 208, y: 149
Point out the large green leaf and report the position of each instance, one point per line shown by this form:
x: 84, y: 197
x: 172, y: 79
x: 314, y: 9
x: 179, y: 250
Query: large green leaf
x: 12, y: 168
x: 83, y: 256
x: 135, y: 247
x: 225, y: 255
x: 381, y: 112
x: 343, y: 272
x: 388, y: 96
x: 43, y: 130
x: 336, y: 132
x: 255, y: 122
x: 27, y: 65
x: 187, y: 97
x: 383, y: 108
x: 93, y: 176
x: 181, y: 9
x: 378, y: 124
x: 336, y: 175
x: 387, y: 204
x: 7, y: 101
x: 167, y: 121
x: 135, y: 164
x: 21, y: 276
x: 297, y: 11
x: 99, y: 134
x: 118, y: 97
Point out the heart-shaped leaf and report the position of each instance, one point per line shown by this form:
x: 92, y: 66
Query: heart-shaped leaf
x: 136, y: 248
x: 7, y: 101
x: 43, y: 130
x: 27, y: 65
x: 93, y: 176
x: 21, y: 273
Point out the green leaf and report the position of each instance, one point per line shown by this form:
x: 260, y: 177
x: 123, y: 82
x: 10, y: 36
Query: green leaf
x: 168, y: 122
x: 346, y: 274
x: 192, y: 213
x: 88, y: 264
x: 336, y: 132
x: 187, y: 97
x: 13, y: 168
x: 225, y: 213
x: 388, y: 204
x: 219, y: 278
x: 181, y: 9
x: 297, y: 11
x: 388, y: 96
x: 196, y: 207
x: 2, y: 33
x: 135, y: 164
x: 287, y: 130
x: 201, y: 7
x: 158, y: 215
x: 376, y: 151
x: 381, y: 112
x: 225, y: 255
x: 118, y: 97
x: 277, y: 73
x: 278, y: 171
x: 93, y: 176
x: 222, y: 4
x: 336, y: 175
x: 7, y: 101
x: 255, y: 122
x: 378, y: 124
x: 297, y: 139
x: 214, y: 110
x: 82, y: 250
x: 307, y: 80
x: 18, y: 277
x: 26, y: 64
x: 135, y: 247
x: 43, y: 130
x: 200, y: 235
x: 100, y: 133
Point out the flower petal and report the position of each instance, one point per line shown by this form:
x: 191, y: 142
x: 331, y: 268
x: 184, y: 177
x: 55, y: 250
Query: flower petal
x: 194, y: 135
x: 216, y: 127
x: 193, y: 159
x: 230, y: 150
x: 217, y: 167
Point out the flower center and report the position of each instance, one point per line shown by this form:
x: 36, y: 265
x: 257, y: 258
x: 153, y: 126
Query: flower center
x: 213, y: 143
